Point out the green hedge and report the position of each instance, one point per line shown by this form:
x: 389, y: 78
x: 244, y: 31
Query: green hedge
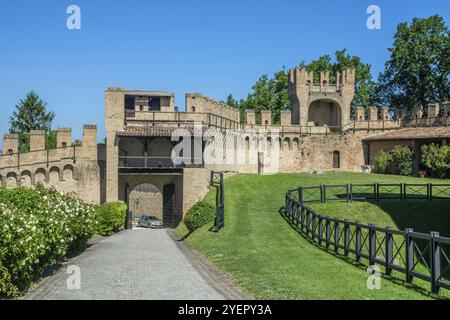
x: 436, y: 159
x: 199, y: 215
x: 38, y: 227
x: 398, y: 161
x: 111, y: 218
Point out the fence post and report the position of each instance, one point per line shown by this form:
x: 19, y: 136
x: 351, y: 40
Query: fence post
x: 313, y: 226
x: 300, y: 195
x: 389, y: 242
x: 348, y: 192
x: 327, y: 231
x: 435, y: 261
x: 323, y: 197
x: 212, y: 178
x: 302, y: 217
x: 430, y: 191
x: 346, y: 237
x: 358, y: 242
x: 377, y: 192
x: 409, y: 245
x: 320, y: 230
x: 372, y: 244
x: 308, y: 220
x: 336, y: 235
x: 292, y: 215
x: 402, y: 191
x: 351, y: 192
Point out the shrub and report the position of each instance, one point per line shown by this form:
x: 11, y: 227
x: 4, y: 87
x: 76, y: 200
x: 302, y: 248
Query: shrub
x: 436, y: 159
x: 111, y: 217
x: 7, y: 289
x: 199, y: 215
x: 38, y: 227
x: 402, y: 157
x: 383, y: 161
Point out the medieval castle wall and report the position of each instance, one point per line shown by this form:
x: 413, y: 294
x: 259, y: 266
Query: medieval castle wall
x: 305, y: 138
x: 70, y: 169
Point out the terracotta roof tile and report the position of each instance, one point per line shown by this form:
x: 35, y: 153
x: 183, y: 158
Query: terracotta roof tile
x: 413, y: 133
x: 150, y: 130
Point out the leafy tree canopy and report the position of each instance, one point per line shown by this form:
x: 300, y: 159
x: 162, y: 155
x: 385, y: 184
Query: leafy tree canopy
x: 31, y: 114
x: 270, y: 93
x: 417, y: 72
x: 364, y: 85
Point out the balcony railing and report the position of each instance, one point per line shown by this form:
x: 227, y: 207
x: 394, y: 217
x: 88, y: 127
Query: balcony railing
x: 157, y: 162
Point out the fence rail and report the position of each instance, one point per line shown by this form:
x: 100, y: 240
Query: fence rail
x: 217, y: 180
x: 417, y: 255
x: 375, y: 191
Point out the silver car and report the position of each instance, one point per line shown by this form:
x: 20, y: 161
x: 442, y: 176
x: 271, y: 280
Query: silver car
x: 149, y: 222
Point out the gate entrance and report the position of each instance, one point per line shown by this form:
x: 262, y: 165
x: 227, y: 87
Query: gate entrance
x: 169, y: 205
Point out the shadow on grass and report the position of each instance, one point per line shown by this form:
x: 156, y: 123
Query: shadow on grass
x: 417, y: 213
x: 358, y: 265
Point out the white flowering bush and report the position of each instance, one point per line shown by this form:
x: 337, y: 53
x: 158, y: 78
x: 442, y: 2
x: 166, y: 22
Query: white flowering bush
x: 38, y: 227
x: 111, y: 217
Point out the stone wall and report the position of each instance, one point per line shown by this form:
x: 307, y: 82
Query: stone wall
x: 196, y: 102
x: 70, y: 169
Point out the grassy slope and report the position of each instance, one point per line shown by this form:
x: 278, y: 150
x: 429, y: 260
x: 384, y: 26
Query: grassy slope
x: 264, y: 256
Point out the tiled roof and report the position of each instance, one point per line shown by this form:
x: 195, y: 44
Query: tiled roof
x: 152, y: 131
x: 413, y: 133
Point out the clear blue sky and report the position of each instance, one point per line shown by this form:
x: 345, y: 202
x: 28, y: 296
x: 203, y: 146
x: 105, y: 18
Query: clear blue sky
x: 215, y: 47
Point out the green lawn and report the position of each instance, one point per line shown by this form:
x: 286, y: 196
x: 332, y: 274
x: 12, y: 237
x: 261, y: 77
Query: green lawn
x: 267, y: 258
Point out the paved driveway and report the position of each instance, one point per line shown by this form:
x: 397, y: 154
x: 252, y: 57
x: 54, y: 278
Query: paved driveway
x: 133, y: 264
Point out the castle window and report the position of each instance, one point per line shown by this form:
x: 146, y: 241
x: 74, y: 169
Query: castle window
x: 193, y: 109
x: 266, y: 122
x: 336, y: 160
x: 10, y: 151
x: 64, y: 144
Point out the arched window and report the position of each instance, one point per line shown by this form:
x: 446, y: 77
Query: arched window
x: 336, y: 159
x: 10, y: 151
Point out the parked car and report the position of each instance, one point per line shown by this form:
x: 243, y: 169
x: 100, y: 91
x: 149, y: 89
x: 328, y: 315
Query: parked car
x: 149, y: 222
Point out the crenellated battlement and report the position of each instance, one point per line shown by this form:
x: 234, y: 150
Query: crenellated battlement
x: 68, y: 167
x: 301, y: 76
x: 199, y: 103
x: 326, y: 102
x: 37, y: 140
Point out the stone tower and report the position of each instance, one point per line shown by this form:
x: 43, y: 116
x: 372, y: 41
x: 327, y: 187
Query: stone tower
x: 324, y: 103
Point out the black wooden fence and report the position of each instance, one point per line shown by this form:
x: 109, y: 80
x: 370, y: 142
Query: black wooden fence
x: 417, y: 255
x: 374, y: 191
x: 217, y: 180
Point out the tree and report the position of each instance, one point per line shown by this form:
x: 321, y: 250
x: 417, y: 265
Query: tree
x: 417, y: 72
x: 31, y: 114
x: 364, y: 85
x: 267, y: 94
x: 232, y: 102
x: 272, y: 94
x: 402, y: 158
x: 436, y: 159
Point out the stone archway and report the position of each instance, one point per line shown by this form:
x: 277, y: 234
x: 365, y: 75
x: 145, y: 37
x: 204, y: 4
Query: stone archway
x: 146, y: 199
x: 325, y: 112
